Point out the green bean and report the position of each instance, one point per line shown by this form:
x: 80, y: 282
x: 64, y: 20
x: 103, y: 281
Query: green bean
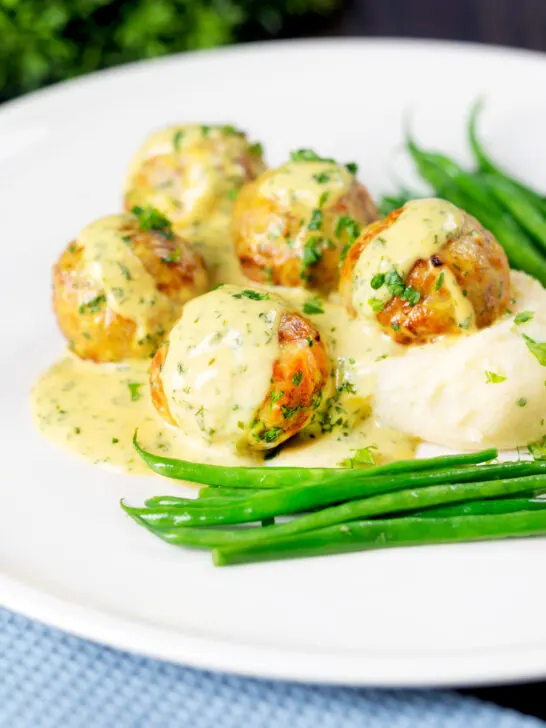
x: 277, y: 477
x: 447, y: 183
x: 288, y: 501
x: 484, y: 507
x: 172, y: 502
x: 233, y: 477
x: 388, y: 203
x: 525, y: 212
x: 378, y: 534
x: 486, y: 164
x: 379, y: 505
x: 211, y: 492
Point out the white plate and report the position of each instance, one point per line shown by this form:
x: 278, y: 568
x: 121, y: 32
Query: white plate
x: 69, y: 556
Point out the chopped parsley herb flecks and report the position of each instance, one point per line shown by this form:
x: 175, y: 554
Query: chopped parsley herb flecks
x: 362, y: 456
x: 538, y: 449
x: 205, y: 130
x: 125, y: 272
x: 411, y: 296
x: 232, y: 194
x: 352, y: 167
x: 312, y: 253
x: 536, y: 349
x: 316, y: 220
x: 93, y: 305
x: 313, y: 306
x: 308, y: 155
x: 494, y: 378
x: 523, y: 317
x: 270, y: 435
x: 323, y: 198
x: 134, y: 390
x: 230, y: 130
x: 394, y: 283
x: 288, y: 412
x: 296, y: 379
x: 439, y: 281
x: 377, y: 281
x: 521, y: 402
x: 376, y: 304
x: 115, y: 440
x: 466, y: 323
x: 150, y: 219
x: 321, y: 178
x: 177, y: 138
x: 275, y: 396
x: 173, y: 256
x: 395, y: 327
x: 252, y: 295
x: 256, y: 148
x: 349, y: 226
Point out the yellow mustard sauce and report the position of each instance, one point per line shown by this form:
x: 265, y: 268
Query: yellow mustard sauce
x: 130, y: 290
x: 223, y: 376
x: 216, y: 381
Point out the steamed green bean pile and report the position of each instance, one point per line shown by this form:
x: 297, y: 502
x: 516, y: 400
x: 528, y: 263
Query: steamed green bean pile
x: 335, y: 510
x: 514, y: 212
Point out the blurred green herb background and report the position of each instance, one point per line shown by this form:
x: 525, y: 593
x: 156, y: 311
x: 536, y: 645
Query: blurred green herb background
x: 42, y: 41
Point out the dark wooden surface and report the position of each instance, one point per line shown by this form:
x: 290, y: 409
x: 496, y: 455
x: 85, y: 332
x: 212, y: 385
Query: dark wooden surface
x: 520, y: 23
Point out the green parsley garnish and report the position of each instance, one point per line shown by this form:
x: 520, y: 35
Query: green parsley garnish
x: 493, y: 378
x: 230, y: 130
x: 252, y: 295
x: 312, y: 253
x: 521, y: 402
x: 173, y: 256
x: 275, y: 396
x: 321, y: 178
x: 439, y: 281
x: 362, y: 456
x: 323, y: 198
x: 376, y: 304
x: 134, y: 390
x: 232, y: 194
x: 93, y: 305
x: 394, y: 283
x: 538, y: 449
x: 151, y: 219
x: 523, y: 317
x: 316, y: 220
x: 256, y: 148
x: 536, y: 349
x: 308, y: 155
x: 377, y: 281
x: 411, y: 296
x: 395, y: 327
x: 313, y: 306
x: 296, y: 379
x: 466, y: 323
x: 205, y: 130
x: 352, y: 167
x: 350, y: 226
x: 177, y: 138
x: 270, y: 435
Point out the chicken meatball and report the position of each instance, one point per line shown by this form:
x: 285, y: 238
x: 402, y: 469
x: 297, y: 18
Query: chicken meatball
x: 120, y: 286
x: 292, y: 223
x: 427, y: 270
x: 240, y: 368
x: 186, y: 172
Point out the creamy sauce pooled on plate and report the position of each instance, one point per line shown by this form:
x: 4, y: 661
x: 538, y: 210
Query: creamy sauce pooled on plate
x: 93, y: 410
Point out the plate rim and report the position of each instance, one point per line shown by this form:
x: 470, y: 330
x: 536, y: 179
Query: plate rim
x: 449, y: 668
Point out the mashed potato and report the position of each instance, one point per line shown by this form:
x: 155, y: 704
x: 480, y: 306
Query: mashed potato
x: 485, y: 389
